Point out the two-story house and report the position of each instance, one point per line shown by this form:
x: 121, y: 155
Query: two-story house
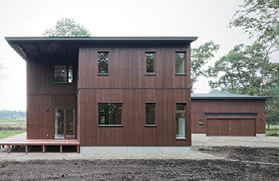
x: 112, y: 94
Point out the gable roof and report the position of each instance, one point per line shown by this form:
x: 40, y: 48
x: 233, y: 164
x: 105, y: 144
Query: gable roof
x: 68, y: 46
x: 225, y: 96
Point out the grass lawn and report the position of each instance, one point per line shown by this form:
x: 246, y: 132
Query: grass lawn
x: 8, y: 133
x: 12, y: 127
x: 273, y: 129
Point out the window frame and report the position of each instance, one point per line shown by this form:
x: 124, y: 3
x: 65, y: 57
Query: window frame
x: 109, y: 125
x: 180, y: 74
x: 102, y: 74
x: 150, y: 125
x: 176, y: 125
x: 154, y: 63
x: 67, y: 74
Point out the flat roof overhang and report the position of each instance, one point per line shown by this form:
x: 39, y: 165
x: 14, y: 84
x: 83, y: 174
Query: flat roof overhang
x: 226, y: 96
x: 68, y: 46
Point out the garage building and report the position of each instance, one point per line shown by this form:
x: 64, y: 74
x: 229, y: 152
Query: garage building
x: 227, y: 115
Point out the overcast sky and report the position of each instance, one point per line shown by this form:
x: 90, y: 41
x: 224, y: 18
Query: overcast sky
x: 207, y: 19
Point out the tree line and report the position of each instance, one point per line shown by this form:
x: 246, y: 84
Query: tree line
x: 6, y: 114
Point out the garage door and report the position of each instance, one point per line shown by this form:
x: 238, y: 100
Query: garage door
x: 230, y: 127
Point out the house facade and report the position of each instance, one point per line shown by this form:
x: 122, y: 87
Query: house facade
x: 112, y: 94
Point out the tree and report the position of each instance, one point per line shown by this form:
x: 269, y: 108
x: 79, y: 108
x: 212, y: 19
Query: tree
x: 200, y: 57
x: 67, y: 28
x: 260, y: 19
x: 240, y: 72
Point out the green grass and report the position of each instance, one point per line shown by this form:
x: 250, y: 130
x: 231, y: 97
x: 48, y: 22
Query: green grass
x: 273, y: 129
x: 12, y: 120
x: 11, y: 127
x: 8, y: 133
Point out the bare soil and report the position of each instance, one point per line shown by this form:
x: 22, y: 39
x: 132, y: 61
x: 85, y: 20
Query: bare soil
x: 239, y: 163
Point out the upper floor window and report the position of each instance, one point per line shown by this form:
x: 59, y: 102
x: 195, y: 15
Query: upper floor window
x: 180, y: 62
x: 63, y: 74
x: 110, y: 113
x: 103, y: 62
x: 150, y: 61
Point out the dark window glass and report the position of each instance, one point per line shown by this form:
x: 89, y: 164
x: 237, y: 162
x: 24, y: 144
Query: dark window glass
x: 180, y: 62
x: 103, y: 62
x: 150, y: 113
x: 110, y: 113
x: 180, y: 107
x: 60, y: 74
x: 70, y: 74
x: 150, y: 62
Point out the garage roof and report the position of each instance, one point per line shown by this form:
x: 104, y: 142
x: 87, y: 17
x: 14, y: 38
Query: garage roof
x: 226, y: 96
x: 68, y: 46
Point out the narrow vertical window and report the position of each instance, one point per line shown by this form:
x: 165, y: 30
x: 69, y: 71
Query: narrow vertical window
x: 180, y: 121
x: 150, y: 113
x: 180, y: 62
x: 70, y: 74
x: 103, y: 62
x: 150, y: 61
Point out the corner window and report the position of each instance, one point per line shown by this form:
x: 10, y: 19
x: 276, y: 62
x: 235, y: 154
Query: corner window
x: 110, y: 113
x: 150, y: 61
x: 103, y: 62
x: 63, y: 74
x: 180, y: 58
x: 180, y: 121
x: 150, y: 113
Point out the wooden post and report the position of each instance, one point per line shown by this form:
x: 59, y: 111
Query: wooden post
x: 61, y: 149
x: 9, y: 149
x: 26, y: 149
x: 78, y: 149
x: 43, y: 149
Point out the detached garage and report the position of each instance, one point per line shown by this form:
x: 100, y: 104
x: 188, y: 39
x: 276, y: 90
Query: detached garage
x: 227, y: 115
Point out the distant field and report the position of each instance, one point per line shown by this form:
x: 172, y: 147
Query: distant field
x: 273, y: 129
x: 11, y: 127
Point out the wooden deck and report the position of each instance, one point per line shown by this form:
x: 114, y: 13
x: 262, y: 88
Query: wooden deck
x: 15, y: 141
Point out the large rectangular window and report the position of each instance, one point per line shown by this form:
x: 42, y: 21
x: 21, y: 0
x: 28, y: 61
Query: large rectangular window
x: 150, y: 61
x: 110, y: 113
x: 150, y: 113
x: 103, y: 62
x: 63, y: 74
x: 180, y: 121
x: 180, y: 58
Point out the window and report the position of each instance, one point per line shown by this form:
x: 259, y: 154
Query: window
x: 150, y: 113
x: 103, y: 62
x: 180, y: 62
x: 180, y: 121
x: 63, y: 74
x: 110, y: 113
x: 150, y: 56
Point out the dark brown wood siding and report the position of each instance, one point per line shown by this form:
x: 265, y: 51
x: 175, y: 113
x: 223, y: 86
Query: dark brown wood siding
x: 43, y: 94
x: 128, y: 84
x: 199, y: 107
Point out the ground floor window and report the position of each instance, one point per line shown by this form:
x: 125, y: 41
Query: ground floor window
x: 110, y: 113
x: 180, y: 121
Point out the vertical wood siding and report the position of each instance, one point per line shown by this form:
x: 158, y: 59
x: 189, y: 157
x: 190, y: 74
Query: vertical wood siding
x: 128, y: 84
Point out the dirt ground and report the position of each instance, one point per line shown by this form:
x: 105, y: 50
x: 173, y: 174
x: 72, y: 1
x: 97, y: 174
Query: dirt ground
x: 238, y: 163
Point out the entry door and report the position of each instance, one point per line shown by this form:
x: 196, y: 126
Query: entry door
x: 64, y: 123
